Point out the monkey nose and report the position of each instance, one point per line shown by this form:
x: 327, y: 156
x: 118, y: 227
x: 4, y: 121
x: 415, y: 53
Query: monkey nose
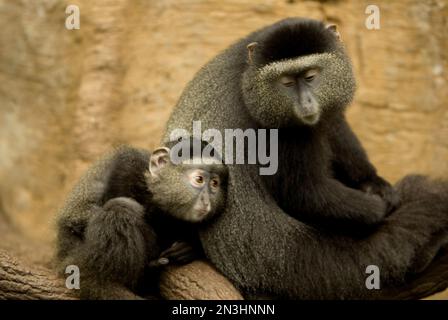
x: 309, y: 109
x: 205, y: 209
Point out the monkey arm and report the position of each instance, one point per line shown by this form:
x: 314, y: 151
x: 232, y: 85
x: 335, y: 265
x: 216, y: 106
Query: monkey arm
x: 116, y: 247
x: 352, y: 167
x: 180, y: 252
x: 329, y: 202
x: 350, y: 162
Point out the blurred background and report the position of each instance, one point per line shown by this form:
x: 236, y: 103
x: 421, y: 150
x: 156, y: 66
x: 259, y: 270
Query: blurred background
x: 68, y: 96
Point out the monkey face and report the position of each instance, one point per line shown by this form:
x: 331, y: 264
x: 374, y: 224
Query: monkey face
x: 188, y: 191
x: 298, y: 91
x: 297, y: 75
x: 206, y: 193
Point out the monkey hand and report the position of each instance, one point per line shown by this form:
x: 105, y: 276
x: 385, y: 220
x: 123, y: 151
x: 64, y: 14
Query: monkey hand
x: 178, y: 253
x: 379, y: 186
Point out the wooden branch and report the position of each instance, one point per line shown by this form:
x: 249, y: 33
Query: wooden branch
x: 197, y: 280
x: 18, y: 282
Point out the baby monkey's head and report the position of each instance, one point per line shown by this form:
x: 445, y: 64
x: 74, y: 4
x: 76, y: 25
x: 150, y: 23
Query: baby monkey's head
x: 187, y: 180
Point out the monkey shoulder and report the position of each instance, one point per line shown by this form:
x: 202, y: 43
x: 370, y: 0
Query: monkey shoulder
x: 126, y: 177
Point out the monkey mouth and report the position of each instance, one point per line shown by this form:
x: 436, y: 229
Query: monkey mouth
x: 201, y: 213
x: 307, y: 116
x: 310, y: 119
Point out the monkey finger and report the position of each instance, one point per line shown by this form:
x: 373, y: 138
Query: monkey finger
x: 175, y: 247
x: 180, y: 244
x: 160, y: 262
x: 174, y: 254
x: 178, y: 254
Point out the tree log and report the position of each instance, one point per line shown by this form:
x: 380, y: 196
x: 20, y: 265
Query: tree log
x: 18, y: 282
x: 197, y: 280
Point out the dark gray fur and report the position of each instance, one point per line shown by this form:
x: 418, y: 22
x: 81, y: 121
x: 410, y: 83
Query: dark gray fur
x: 280, y: 235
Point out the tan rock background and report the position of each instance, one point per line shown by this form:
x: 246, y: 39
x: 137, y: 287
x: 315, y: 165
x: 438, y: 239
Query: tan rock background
x: 67, y: 96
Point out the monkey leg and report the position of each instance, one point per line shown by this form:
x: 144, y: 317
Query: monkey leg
x: 114, y: 252
x: 352, y: 167
x: 422, y: 197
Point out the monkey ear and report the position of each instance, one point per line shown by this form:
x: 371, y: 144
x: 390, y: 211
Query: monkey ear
x: 250, y: 50
x: 334, y: 28
x: 159, y: 159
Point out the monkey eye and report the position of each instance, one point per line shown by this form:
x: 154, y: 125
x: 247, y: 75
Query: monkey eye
x: 309, y: 78
x: 310, y: 75
x: 214, y: 183
x: 198, y: 180
x: 288, y: 81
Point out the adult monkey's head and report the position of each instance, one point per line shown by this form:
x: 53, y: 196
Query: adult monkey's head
x: 297, y: 74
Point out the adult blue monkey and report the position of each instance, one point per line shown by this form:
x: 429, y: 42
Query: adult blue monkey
x: 311, y: 229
